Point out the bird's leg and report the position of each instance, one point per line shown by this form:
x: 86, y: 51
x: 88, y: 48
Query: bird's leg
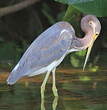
x: 43, y: 84
x: 54, y: 84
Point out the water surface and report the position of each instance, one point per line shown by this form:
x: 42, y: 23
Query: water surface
x: 77, y: 91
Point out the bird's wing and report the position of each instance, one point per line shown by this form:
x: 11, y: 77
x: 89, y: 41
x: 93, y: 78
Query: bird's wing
x: 50, y: 46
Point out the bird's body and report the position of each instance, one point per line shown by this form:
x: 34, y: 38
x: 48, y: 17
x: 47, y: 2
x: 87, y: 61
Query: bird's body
x: 49, y: 50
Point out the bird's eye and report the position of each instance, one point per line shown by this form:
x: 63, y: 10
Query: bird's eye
x: 97, y: 34
x: 90, y: 22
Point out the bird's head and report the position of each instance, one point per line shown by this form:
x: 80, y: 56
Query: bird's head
x: 91, y: 26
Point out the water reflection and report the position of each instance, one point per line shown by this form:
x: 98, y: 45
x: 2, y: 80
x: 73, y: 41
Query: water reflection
x: 54, y: 104
x: 78, y: 91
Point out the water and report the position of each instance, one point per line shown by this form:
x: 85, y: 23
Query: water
x: 77, y: 91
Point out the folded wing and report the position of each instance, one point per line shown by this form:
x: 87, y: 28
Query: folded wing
x: 50, y: 46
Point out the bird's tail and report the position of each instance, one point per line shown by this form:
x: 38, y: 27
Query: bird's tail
x: 13, y: 77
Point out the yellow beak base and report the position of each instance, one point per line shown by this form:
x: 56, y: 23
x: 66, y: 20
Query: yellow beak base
x: 89, y: 51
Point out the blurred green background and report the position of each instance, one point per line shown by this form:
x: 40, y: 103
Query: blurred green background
x: 78, y: 90
x: 19, y: 29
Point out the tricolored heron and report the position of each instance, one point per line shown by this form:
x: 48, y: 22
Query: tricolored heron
x: 50, y: 48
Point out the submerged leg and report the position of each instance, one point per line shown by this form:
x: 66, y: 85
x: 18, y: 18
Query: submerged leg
x: 54, y: 84
x: 43, y: 84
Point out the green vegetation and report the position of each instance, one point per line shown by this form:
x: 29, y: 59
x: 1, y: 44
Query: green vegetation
x: 96, y: 7
x: 19, y: 29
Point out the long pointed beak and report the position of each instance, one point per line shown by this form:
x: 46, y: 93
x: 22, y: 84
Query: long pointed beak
x: 88, y: 52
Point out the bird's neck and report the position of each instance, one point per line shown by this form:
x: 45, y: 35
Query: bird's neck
x: 81, y: 43
x: 86, y: 40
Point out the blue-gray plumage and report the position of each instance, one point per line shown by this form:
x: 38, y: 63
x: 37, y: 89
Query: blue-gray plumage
x: 50, y: 48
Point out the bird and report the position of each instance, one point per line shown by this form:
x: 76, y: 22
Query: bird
x: 49, y: 49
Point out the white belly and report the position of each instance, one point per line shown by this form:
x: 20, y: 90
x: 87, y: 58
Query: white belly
x: 50, y: 67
